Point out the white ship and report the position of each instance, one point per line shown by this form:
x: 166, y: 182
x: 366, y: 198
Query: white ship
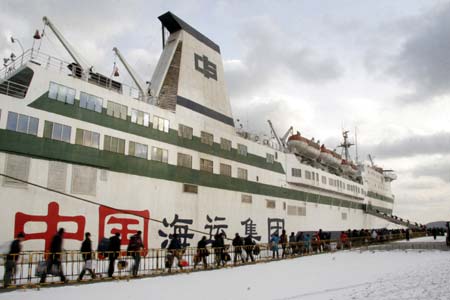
x: 93, y: 154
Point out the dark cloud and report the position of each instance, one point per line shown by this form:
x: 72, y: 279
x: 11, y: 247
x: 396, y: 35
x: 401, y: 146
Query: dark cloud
x: 439, y: 169
x: 423, y: 62
x: 438, y: 143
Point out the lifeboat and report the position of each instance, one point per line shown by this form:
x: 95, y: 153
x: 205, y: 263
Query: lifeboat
x: 348, y: 168
x: 390, y: 176
x: 329, y: 157
x: 303, y: 146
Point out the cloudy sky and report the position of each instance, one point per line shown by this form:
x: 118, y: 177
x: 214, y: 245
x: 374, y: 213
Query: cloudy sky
x: 382, y: 67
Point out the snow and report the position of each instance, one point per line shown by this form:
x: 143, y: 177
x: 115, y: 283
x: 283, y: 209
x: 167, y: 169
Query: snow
x: 355, y: 274
x: 428, y: 239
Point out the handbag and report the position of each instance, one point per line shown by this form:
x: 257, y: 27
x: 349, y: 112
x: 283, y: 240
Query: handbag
x: 88, y: 264
x: 41, y: 268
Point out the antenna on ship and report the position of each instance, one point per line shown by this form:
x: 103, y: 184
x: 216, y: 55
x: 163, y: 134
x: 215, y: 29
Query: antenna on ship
x: 346, y: 145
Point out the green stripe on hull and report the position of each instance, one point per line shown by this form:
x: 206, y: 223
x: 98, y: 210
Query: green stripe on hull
x: 102, y: 119
x: 43, y: 148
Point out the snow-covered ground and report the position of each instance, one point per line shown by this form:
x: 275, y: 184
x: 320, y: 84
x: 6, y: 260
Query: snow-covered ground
x: 440, y: 239
x: 367, y: 275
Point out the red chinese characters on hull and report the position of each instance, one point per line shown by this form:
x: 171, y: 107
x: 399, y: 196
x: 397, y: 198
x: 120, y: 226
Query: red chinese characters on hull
x: 126, y: 222
x: 52, y: 220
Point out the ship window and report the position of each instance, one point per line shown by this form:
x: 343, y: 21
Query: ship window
x: 61, y: 93
x: 184, y: 160
x: 317, y: 177
x: 91, y: 102
x: 160, y: 154
x: 161, y: 124
x: 190, y: 188
x: 22, y: 123
x: 207, y: 138
x: 114, y: 144
x: 117, y: 110
x: 140, y: 117
x: 87, y: 138
x: 137, y: 149
x: 225, y: 144
x: 56, y: 131
x: 225, y: 170
x: 324, y: 180
x: 84, y: 180
x: 242, y: 174
x: 270, y: 204
x: 206, y: 165
x: 270, y: 158
x: 185, y: 131
x: 293, y: 210
x: 308, y: 175
x: 246, y: 199
x: 344, y: 216
x: 296, y: 172
x: 242, y: 149
x: 17, y: 167
x: 57, y: 176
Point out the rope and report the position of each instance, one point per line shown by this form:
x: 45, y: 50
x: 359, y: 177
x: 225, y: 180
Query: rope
x: 97, y: 203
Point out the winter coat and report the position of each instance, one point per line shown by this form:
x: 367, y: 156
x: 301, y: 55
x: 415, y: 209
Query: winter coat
x: 14, y: 250
x: 86, y: 249
x: 114, y: 247
x: 237, y: 243
x: 274, y: 240
x: 174, y: 244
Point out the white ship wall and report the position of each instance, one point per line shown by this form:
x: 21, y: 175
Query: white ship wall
x: 162, y: 199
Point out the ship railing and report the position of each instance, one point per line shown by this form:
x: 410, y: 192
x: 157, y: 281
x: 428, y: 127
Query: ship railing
x: 47, y: 62
x: 31, y: 265
x: 13, y: 89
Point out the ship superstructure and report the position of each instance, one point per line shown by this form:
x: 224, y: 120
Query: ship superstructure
x: 167, y: 151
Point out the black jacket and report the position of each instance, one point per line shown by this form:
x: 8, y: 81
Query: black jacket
x: 174, y: 244
x: 56, y: 245
x: 114, y: 247
x: 86, y: 249
x: 14, y: 251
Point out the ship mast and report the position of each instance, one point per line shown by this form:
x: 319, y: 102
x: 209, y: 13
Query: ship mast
x: 137, y: 80
x: 346, y: 146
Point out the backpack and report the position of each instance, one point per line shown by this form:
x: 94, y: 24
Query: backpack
x: 103, y: 246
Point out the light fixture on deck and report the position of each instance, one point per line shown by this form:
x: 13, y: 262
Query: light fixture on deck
x: 37, y: 35
x: 5, y: 61
x: 12, y: 57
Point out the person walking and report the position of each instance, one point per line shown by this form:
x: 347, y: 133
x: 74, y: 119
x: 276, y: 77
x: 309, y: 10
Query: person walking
x: 86, y: 252
x: 113, y: 252
x: 274, y: 240
x: 293, y: 243
x: 249, y: 245
x: 218, y: 246
x: 174, y: 251
x: 237, y: 244
x: 134, y: 250
x: 284, y: 243
x: 54, y: 257
x: 12, y: 258
x: 202, y: 253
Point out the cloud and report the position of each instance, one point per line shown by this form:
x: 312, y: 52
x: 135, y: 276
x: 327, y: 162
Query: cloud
x: 423, y: 62
x: 271, y: 53
x: 437, y: 143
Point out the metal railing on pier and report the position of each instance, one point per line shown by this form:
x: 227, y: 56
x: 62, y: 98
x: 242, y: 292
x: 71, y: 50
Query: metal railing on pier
x: 153, y: 262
